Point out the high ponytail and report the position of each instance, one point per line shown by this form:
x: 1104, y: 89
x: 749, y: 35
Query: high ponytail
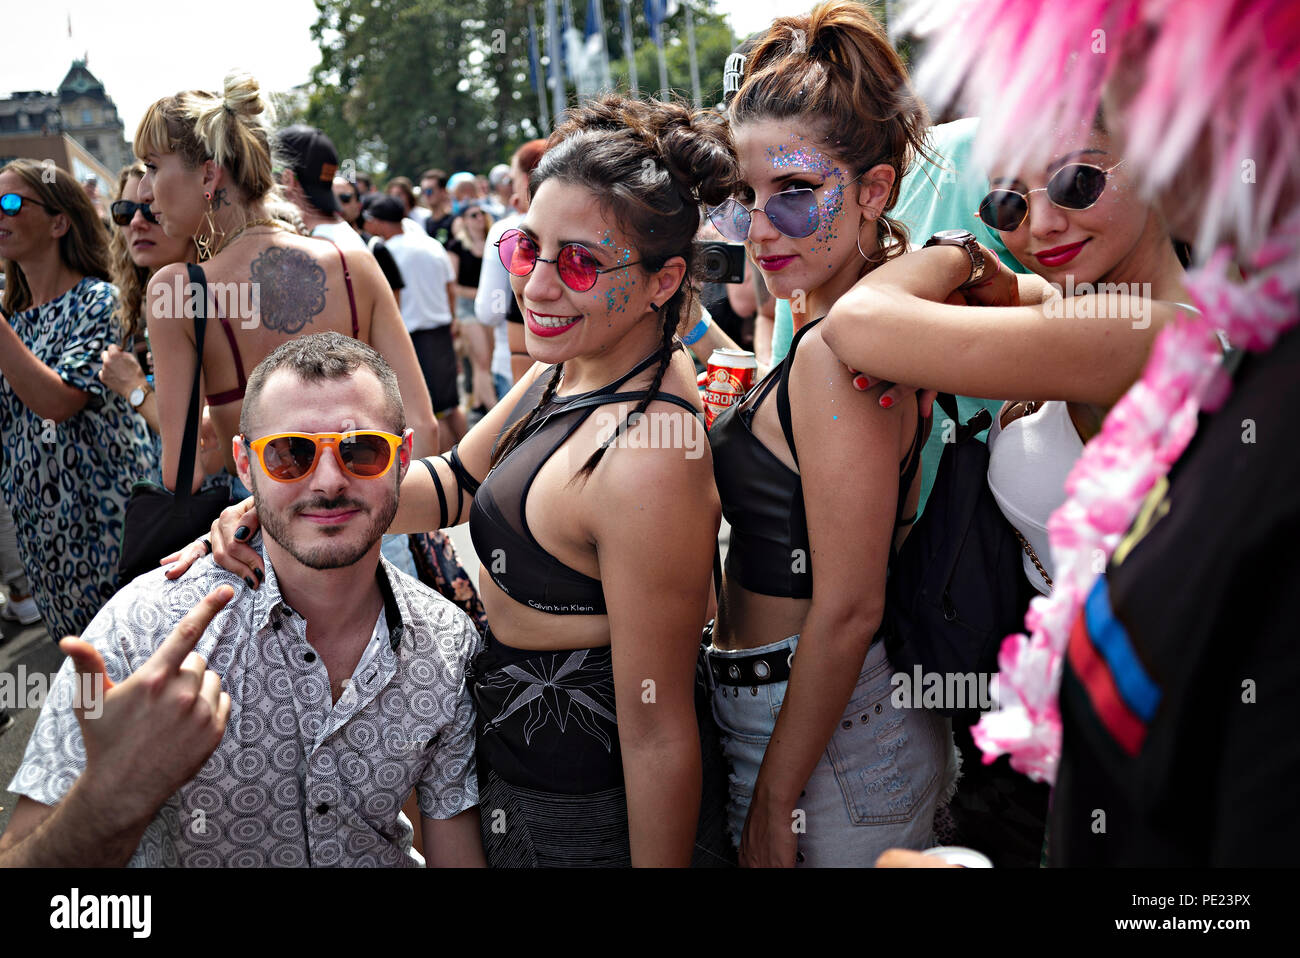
x: 835, y: 69
x: 230, y: 128
x: 651, y: 165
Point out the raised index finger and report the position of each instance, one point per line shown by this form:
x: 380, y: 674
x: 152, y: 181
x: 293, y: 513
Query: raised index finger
x: 190, y: 629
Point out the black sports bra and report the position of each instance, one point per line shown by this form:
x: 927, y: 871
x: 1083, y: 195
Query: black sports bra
x: 762, y: 497
x: 498, y: 525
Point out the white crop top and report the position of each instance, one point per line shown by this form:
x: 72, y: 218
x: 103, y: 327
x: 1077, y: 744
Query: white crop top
x: 1028, y: 464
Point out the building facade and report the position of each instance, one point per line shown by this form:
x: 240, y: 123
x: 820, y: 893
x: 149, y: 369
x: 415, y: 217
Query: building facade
x: 82, y: 111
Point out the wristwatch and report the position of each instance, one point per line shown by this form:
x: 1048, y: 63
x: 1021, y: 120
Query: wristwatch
x: 966, y: 240
x: 138, y: 395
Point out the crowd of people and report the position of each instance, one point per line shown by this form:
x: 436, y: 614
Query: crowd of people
x: 319, y: 677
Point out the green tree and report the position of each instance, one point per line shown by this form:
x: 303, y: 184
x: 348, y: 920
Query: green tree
x: 407, y: 84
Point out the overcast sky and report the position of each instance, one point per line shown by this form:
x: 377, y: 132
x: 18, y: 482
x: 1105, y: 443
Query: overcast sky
x: 141, y: 52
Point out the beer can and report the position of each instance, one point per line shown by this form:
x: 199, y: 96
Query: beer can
x: 730, y: 374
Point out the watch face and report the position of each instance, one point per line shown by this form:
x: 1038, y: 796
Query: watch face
x: 959, y: 235
x: 137, y: 397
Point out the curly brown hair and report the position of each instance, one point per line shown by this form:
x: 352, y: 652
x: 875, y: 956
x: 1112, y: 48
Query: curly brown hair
x: 651, y: 165
x: 835, y: 69
x: 130, y: 280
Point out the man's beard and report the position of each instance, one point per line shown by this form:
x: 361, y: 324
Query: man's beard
x: 326, y: 555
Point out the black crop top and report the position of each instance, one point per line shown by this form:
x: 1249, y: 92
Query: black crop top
x: 762, y: 497
x: 498, y: 525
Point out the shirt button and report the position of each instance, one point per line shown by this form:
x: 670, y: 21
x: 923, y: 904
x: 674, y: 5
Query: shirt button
x: 322, y: 808
x: 847, y: 723
x: 309, y: 657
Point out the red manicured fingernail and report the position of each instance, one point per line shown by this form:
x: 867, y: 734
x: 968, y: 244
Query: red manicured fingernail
x: 861, y: 382
x: 886, y: 401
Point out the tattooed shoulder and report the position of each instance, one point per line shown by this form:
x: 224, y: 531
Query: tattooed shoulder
x: 291, y: 288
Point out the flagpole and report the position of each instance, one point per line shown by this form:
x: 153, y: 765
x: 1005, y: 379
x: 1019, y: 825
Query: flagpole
x: 695, y: 66
x: 657, y: 28
x: 604, y: 49
x: 535, y: 68
x: 556, y: 69
x: 629, y: 53
x: 570, y: 69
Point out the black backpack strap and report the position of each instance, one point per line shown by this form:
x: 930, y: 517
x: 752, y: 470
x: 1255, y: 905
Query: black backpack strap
x: 190, y: 440
x: 910, y: 467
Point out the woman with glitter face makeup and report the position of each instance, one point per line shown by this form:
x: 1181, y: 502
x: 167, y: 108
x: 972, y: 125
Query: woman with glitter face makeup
x: 817, y: 480
x: 589, y: 498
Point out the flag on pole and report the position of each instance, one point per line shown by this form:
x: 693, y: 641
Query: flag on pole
x: 535, y: 73
x: 595, y: 39
x: 629, y: 53
x: 656, y: 12
x: 695, y: 65
x: 556, y: 66
x: 571, y: 49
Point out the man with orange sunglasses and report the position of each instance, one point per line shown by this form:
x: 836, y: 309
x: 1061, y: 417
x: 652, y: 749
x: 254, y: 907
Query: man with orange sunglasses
x: 201, y: 721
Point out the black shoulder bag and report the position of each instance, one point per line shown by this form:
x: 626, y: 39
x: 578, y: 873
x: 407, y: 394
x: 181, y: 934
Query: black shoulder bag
x: 158, y: 521
x: 956, y: 588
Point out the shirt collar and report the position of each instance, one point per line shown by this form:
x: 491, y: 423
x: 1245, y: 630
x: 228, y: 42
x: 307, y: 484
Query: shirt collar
x: 269, y: 604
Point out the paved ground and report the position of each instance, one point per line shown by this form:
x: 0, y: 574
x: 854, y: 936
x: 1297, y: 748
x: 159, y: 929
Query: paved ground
x: 30, y: 647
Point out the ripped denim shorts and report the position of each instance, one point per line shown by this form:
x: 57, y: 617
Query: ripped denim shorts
x: 876, y: 786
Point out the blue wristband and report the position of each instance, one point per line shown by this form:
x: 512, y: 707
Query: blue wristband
x: 696, y: 333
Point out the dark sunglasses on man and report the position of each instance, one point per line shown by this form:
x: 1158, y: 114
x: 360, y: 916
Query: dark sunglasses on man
x: 345, y: 197
x: 123, y: 211
x: 11, y: 204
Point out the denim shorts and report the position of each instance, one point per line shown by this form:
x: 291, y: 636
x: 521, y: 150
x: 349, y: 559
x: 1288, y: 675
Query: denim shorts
x: 876, y: 786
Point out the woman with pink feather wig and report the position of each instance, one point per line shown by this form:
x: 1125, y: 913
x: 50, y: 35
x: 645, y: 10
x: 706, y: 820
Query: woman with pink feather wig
x: 1163, y: 692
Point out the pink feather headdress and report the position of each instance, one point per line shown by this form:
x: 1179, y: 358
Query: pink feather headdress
x: 1224, y: 74
x: 1210, y: 85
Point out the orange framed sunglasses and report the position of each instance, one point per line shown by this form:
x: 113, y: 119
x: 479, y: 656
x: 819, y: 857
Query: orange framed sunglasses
x: 293, y: 456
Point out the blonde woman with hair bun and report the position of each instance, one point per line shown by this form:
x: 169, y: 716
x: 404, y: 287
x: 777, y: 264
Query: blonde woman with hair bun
x: 208, y: 176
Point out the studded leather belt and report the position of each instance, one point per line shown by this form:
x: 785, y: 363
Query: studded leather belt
x: 759, y: 668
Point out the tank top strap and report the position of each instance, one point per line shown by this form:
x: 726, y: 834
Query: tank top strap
x: 783, y: 390
x: 347, y: 279
x: 639, y: 368
x: 230, y: 395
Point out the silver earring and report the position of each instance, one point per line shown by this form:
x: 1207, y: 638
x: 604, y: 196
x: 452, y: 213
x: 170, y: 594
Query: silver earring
x: 884, y: 246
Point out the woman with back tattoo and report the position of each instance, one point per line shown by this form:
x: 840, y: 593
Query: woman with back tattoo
x: 208, y: 175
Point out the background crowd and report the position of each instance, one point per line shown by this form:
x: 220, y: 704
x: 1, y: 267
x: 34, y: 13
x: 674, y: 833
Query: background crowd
x: 507, y: 308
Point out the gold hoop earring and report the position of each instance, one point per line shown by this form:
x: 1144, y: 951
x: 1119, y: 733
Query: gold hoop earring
x: 204, y: 244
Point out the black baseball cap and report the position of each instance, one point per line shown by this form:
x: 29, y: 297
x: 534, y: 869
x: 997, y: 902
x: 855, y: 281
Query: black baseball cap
x: 387, y: 208
x: 314, y: 161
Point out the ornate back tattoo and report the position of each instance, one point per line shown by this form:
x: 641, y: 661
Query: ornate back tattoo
x: 291, y: 288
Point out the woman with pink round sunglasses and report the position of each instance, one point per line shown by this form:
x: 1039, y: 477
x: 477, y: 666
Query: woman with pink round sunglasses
x: 589, y: 498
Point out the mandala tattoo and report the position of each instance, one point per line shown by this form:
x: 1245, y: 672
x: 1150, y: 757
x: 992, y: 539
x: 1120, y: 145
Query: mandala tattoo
x: 291, y: 287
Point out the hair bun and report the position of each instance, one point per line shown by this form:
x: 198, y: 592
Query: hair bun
x: 242, y: 95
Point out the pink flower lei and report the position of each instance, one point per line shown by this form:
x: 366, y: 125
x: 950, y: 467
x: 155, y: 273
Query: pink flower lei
x: 1221, y: 76
x: 1142, y: 437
